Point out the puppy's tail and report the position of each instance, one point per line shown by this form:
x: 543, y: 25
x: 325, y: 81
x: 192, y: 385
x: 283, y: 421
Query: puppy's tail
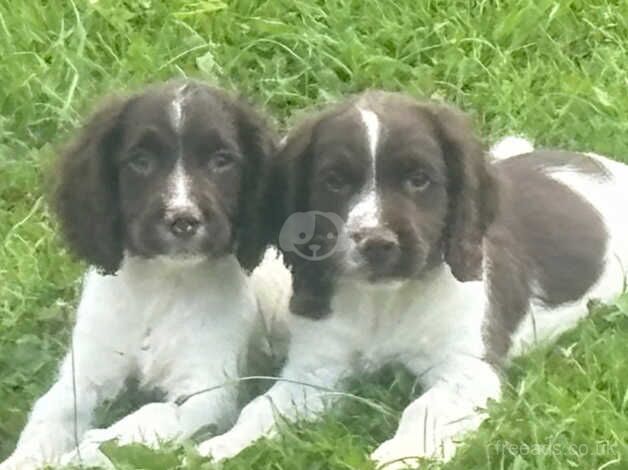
x: 510, y: 146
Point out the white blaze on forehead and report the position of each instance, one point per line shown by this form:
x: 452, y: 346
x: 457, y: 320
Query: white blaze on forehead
x: 179, y: 195
x: 365, y: 213
x: 176, y: 108
x: 371, y: 123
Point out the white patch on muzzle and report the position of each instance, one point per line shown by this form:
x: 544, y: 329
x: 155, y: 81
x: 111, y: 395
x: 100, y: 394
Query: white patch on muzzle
x: 179, y: 192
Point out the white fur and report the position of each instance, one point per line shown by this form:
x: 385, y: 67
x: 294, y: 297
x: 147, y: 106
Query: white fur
x: 372, y: 124
x: 412, y: 323
x: 178, y: 195
x: 366, y: 212
x: 434, y: 326
x: 272, y: 285
x: 180, y: 328
x: 176, y: 109
x: 510, y: 146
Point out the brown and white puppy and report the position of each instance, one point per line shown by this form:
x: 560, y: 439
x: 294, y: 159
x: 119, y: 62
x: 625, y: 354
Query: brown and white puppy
x: 160, y: 194
x: 408, y: 245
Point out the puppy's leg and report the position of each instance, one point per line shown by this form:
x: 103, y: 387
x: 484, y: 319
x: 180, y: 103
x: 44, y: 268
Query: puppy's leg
x: 289, y: 399
x: 95, y: 372
x: 65, y: 411
x: 159, y: 422
x: 49, y: 430
x: 155, y: 423
x: 150, y: 425
x: 452, y: 405
x: 318, y: 360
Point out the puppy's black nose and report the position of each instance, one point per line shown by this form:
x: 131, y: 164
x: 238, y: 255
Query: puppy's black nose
x: 184, y: 225
x: 378, y: 246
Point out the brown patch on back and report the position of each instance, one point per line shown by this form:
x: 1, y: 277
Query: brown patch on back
x: 547, y: 243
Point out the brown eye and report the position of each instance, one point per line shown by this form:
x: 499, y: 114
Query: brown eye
x: 221, y: 161
x: 417, y: 182
x: 335, y: 182
x: 141, y: 163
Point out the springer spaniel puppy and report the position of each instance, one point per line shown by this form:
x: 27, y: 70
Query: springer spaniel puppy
x: 408, y: 245
x: 160, y: 194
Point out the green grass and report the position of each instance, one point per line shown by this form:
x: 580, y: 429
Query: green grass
x: 555, y: 71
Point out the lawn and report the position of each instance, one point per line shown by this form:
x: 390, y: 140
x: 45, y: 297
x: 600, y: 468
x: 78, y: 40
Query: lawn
x: 555, y: 71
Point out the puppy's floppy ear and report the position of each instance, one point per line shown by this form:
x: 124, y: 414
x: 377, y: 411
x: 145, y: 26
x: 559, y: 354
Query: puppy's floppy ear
x: 289, y: 184
x: 85, y: 196
x: 472, y: 191
x: 312, y: 281
x: 258, y: 142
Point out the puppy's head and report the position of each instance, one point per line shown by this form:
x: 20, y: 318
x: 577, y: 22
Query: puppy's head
x: 174, y: 171
x: 408, y: 182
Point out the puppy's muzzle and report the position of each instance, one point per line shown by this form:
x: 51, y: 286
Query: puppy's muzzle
x: 378, y: 246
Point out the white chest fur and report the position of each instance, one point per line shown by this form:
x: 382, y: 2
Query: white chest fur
x: 415, y: 323
x: 179, y: 327
x: 157, y: 315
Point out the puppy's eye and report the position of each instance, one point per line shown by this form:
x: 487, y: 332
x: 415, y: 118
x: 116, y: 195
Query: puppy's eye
x: 417, y: 182
x: 221, y: 161
x: 335, y: 182
x: 141, y: 163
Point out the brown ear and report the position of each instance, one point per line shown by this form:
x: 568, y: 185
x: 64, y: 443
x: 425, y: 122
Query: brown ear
x: 259, y: 144
x: 312, y: 284
x: 472, y: 192
x: 289, y: 188
x: 85, y: 197
x: 291, y: 169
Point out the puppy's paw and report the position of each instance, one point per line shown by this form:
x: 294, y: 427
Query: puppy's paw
x: 21, y: 462
x: 394, y: 454
x: 42, y: 447
x: 430, y: 428
x: 88, y: 453
x: 401, y: 452
x: 150, y: 425
x: 220, y: 448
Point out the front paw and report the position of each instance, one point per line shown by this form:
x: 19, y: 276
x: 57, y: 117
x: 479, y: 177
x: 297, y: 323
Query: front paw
x: 88, y: 453
x: 21, y: 462
x: 151, y: 425
x: 220, y: 448
x: 398, y: 453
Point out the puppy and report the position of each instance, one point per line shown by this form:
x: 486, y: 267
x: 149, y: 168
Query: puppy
x: 407, y: 245
x: 160, y: 194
